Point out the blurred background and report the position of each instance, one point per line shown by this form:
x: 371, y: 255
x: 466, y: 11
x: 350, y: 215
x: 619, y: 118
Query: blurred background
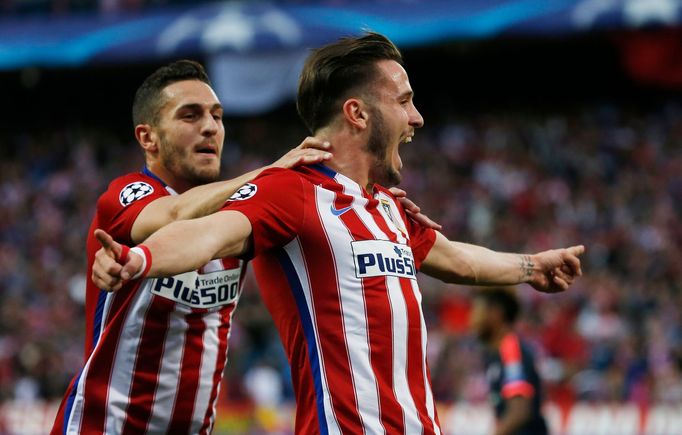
x: 548, y: 123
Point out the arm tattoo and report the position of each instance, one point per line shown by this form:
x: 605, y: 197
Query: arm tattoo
x: 527, y: 266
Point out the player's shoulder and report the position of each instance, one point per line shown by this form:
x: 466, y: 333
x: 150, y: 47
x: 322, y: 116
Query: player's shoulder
x: 283, y: 176
x: 132, y: 187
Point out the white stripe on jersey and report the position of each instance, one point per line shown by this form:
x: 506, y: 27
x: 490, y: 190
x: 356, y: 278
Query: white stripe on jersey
x: 74, y: 419
x: 209, y: 359
x: 125, y: 357
x: 400, y: 330
x: 353, y: 310
x: 293, y: 250
x: 430, y: 409
x: 399, y: 318
x: 401, y: 388
x: 213, y: 405
x: 172, y: 350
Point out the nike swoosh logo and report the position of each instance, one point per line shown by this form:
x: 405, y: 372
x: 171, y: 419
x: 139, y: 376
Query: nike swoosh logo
x: 339, y: 212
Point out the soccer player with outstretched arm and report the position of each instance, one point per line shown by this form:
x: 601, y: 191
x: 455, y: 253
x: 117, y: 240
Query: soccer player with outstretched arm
x: 335, y: 254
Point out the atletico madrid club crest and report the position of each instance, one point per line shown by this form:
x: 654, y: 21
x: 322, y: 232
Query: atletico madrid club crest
x: 134, y: 191
x: 245, y: 192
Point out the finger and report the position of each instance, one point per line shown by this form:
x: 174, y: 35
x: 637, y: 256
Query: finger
x: 563, y: 285
x: 108, y: 242
x: 314, y: 142
x: 315, y: 156
x: 577, y: 250
x: 398, y: 193
x: 409, y: 205
x: 105, y: 262
x: 105, y: 284
x: 573, y: 262
x: 424, y: 220
x: 107, y: 279
x: 132, y: 266
x: 568, y: 278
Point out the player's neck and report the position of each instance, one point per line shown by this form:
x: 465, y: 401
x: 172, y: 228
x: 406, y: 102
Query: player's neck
x: 350, y: 157
x: 499, y: 335
x: 177, y: 184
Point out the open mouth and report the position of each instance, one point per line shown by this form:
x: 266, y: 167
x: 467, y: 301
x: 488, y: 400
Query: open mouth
x: 206, y: 149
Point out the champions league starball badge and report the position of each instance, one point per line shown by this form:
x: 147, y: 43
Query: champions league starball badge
x: 134, y: 191
x: 245, y: 192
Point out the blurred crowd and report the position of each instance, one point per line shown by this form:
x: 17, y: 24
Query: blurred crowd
x: 607, y: 177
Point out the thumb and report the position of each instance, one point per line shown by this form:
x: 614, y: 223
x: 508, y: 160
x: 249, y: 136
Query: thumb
x: 108, y: 243
x: 131, y: 267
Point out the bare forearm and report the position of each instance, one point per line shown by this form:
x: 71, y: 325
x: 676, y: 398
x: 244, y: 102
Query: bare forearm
x: 189, y: 244
x: 462, y: 263
x: 204, y: 200
x: 496, y: 268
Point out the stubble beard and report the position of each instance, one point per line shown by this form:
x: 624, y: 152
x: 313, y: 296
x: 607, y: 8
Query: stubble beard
x: 177, y: 160
x: 382, y: 171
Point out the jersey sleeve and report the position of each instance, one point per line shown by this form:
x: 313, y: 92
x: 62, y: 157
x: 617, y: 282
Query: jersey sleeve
x: 515, y: 380
x: 121, y: 204
x: 421, y: 240
x: 274, y: 204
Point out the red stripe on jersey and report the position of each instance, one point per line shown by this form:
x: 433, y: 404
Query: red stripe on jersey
x: 510, y: 349
x: 147, y: 365
x: 337, y: 370
x: 381, y: 349
x: 282, y: 306
x: 99, y: 373
x: 518, y: 388
x: 223, y: 331
x: 415, y: 357
x: 181, y: 418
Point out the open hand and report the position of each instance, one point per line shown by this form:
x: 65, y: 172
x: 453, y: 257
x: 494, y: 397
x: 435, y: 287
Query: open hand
x: 312, y: 150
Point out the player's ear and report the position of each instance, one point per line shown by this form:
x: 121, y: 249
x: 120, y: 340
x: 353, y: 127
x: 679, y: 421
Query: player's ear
x: 147, y: 137
x: 355, y: 113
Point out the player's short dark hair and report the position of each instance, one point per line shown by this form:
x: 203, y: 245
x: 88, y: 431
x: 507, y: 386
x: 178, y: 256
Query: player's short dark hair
x: 331, y: 72
x: 148, y: 98
x: 502, y: 298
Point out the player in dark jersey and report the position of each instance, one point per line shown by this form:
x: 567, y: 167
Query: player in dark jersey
x: 515, y: 389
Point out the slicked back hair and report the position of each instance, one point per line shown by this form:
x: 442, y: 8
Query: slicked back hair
x: 335, y: 70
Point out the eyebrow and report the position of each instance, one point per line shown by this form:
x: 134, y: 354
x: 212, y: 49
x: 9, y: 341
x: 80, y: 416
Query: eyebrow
x: 406, y: 94
x: 197, y: 106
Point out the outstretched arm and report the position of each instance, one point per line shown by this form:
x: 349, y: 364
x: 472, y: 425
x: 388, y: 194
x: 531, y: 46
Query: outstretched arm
x: 203, y: 200
x: 176, y: 248
x: 461, y: 263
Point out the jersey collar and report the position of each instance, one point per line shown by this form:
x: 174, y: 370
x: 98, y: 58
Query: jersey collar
x: 149, y: 173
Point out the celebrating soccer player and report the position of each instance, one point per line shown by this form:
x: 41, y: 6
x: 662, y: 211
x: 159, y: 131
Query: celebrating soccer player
x: 335, y: 254
x: 151, y: 343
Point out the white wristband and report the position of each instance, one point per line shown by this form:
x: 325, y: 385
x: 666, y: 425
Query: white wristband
x: 141, y: 253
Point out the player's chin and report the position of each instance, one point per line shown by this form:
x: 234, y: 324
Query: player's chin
x: 207, y: 174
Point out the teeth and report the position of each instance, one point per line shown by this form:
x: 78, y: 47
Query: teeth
x: 408, y: 139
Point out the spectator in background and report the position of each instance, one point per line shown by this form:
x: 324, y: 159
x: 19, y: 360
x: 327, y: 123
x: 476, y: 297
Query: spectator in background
x: 515, y: 390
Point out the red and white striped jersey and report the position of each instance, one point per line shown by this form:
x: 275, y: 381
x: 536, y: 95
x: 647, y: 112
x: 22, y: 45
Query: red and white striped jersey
x: 337, y: 269
x: 155, y: 350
